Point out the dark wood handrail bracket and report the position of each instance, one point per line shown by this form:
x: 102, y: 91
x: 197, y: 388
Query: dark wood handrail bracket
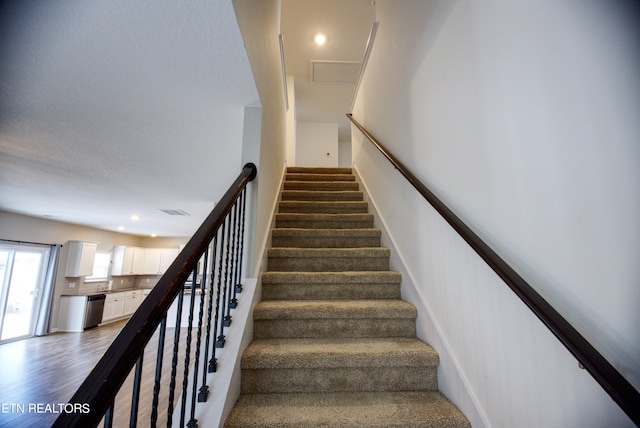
x: 620, y: 390
x: 99, y: 389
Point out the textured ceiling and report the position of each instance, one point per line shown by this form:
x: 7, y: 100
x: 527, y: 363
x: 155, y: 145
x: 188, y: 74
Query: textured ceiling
x: 114, y: 108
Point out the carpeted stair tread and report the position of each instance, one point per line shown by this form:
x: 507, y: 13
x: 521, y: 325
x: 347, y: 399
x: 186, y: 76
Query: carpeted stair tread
x: 321, y: 185
x: 319, y: 177
x: 331, y: 285
x: 323, y: 207
x: 364, y: 277
x: 334, y: 319
x: 322, y: 195
x: 401, y: 409
x: 324, y: 221
x: 325, y: 238
x: 318, y: 170
x: 327, y: 309
x: 328, y: 259
x: 386, y: 353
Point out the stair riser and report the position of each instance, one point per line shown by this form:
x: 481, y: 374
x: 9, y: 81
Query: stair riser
x: 328, y: 264
x: 321, y: 185
x: 324, y: 224
x: 329, y: 291
x: 298, y: 195
x: 328, y: 328
x: 302, y: 242
x: 318, y: 170
x: 347, y: 379
x: 319, y: 177
x: 322, y: 208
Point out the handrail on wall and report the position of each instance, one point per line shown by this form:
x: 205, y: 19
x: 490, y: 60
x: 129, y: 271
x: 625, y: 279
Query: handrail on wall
x: 620, y: 390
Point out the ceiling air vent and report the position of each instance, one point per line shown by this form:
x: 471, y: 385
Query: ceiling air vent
x: 174, y: 212
x: 335, y: 71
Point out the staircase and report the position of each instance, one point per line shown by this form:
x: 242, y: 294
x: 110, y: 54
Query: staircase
x: 334, y: 345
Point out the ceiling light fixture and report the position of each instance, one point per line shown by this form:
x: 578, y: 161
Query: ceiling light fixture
x: 320, y: 39
x: 135, y: 217
x: 120, y: 227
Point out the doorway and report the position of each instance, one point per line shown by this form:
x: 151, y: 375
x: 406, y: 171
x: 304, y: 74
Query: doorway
x: 22, y: 276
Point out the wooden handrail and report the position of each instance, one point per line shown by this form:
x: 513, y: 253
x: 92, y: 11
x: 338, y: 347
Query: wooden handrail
x: 620, y: 390
x: 99, y: 389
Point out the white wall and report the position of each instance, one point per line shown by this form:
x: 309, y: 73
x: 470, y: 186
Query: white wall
x: 260, y: 25
x: 291, y: 121
x: 522, y: 116
x: 317, y: 144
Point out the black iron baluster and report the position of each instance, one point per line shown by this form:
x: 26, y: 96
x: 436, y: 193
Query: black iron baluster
x: 213, y: 364
x: 194, y: 389
x: 204, y: 389
x: 158, y: 376
x: 238, y: 287
x: 187, y: 352
x: 108, y: 416
x: 174, y: 360
x: 233, y: 301
x: 135, y: 397
x: 226, y: 321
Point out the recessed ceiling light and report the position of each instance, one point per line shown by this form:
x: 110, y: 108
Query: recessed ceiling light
x: 135, y: 217
x: 153, y: 235
x: 120, y: 227
x: 320, y: 39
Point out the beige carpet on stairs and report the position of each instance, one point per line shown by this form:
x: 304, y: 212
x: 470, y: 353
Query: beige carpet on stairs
x: 334, y: 345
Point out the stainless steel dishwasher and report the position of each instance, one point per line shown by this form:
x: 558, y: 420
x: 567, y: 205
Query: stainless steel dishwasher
x: 93, y: 314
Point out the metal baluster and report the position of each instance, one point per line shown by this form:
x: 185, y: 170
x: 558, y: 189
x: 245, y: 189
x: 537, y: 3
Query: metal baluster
x: 108, y: 416
x: 174, y: 360
x: 213, y: 364
x: 233, y: 301
x: 158, y: 376
x: 135, y: 397
x: 238, y: 287
x: 193, y: 422
x: 187, y: 353
x: 204, y: 389
x: 226, y: 322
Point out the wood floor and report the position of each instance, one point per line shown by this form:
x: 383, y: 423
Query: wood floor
x: 48, y: 370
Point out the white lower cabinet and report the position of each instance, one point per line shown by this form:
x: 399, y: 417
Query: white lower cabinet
x: 132, y: 300
x: 113, y: 306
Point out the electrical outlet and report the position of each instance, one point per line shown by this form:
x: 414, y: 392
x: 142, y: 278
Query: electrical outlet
x: 147, y: 280
x: 72, y: 285
x: 122, y: 281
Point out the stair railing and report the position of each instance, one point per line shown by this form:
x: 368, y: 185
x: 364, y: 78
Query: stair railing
x: 609, y: 378
x: 209, y: 265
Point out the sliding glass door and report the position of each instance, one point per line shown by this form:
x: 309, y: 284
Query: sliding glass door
x: 22, y: 273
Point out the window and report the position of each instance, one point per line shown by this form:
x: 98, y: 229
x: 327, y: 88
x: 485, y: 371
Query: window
x: 101, y: 265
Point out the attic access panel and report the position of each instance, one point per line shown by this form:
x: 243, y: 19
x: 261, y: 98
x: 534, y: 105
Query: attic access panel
x: 335, y: 71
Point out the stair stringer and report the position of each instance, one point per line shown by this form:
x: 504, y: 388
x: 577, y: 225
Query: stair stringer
x: 451, y: 378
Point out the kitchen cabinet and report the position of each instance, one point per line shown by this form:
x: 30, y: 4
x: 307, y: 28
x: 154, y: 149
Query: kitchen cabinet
x: 158, y: 260
x: 127, y: 260
x: 80, y: 258
x: 132, y: 300
x: 113, y: 306
x: 168, y: 256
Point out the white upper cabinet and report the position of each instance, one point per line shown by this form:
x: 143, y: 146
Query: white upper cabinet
x: 157, y: 260
x: 80, y: 259
x: 127, y: 260
x: 168, y: 256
